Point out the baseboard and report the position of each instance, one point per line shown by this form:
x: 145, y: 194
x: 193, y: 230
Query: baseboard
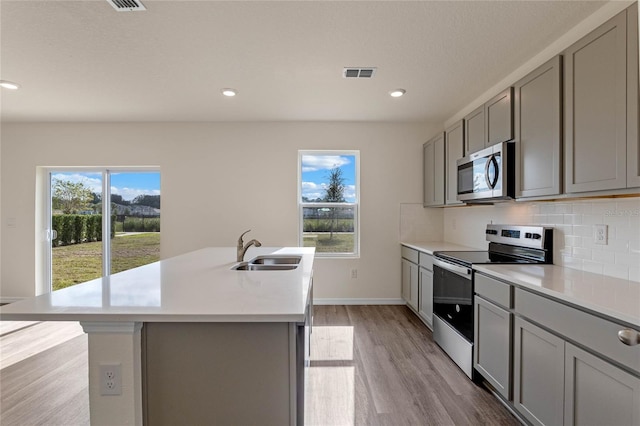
x: 6, y: 300
x: 325, y: 301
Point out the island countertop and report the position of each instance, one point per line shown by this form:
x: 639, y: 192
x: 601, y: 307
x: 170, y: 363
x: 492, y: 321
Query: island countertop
x: 199, y: 286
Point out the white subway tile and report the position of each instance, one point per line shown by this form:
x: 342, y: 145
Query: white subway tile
x: 582, y: 253
x: 573, y: 241
x: 571, y: 262
x: 627, y: 259
x: 594, y: 267
x: 634, y: 273
x: 582, y: 207
x: 603, y: 256
x: 583, y: 231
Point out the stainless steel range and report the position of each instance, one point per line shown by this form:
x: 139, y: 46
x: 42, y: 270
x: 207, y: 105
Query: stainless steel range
x: 453, y: 283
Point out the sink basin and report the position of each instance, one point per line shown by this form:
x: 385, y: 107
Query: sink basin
x: 246, y: 266
x: 275, y: 260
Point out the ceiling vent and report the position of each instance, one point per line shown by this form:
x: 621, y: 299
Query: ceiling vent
x: 126, y: 5
x: 352, y: 72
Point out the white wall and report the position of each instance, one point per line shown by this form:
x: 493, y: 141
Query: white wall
x: 219, y: 180
x: 573, y: 221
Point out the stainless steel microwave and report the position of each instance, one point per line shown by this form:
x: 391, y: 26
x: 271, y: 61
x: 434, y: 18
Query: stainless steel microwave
x: 488, y: 175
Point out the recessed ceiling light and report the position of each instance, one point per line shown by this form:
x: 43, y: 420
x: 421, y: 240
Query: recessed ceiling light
x: 229, y: 92
x: 9, y: 85
x: 397, y: 93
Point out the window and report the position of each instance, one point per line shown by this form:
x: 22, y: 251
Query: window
x: 328, y: 202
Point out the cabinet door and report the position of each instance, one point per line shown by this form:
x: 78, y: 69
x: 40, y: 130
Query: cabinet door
x: 538, y: 131
x: 454, y: 150
x: 595, y: 76
x: 426, y: 296
x: 538, y: 374
x: 633, y: 149
x: 474, y: 135
x: 597, y: 393
x: 499, y: 118
x: 492, y: 348
x: 433, y: 168
x: 413, y: 286
x: 406, y: 280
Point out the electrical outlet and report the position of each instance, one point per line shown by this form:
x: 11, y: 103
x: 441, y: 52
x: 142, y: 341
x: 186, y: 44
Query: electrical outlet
x: 110, y: 379
x: 354, y: 273
x: 600, y: 234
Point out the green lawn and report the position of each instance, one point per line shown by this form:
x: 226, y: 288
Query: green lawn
x: 78, y: 263
x: 341, y: 243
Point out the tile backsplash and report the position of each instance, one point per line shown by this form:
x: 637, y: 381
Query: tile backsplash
x: 574, y: 234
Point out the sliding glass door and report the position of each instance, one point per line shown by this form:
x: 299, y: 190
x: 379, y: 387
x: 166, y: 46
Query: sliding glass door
x: 89, y: 238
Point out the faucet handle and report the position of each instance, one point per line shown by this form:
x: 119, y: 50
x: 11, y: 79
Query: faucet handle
x: 242, y: 235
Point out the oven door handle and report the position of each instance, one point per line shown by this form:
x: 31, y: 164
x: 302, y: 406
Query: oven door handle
x: 458, y: 270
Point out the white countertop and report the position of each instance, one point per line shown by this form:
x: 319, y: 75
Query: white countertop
x: 615, y: 298
x: 431, y: 246
x: 195, y: 287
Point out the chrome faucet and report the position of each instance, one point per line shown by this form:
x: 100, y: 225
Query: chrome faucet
x: 242, y: 248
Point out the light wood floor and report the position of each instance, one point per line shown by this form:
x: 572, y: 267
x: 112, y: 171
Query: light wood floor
x: 371, y: 365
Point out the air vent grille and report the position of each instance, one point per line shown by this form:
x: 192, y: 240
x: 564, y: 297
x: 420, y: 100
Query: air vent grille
x: 353, y: 72
x: 126, y: 5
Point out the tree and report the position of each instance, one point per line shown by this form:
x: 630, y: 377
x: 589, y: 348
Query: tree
x: 334, y: 194
x: 70, y: 197
x: 147, y: 200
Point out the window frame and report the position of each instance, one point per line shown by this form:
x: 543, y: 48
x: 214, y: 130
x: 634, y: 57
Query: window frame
x: 355, y: 205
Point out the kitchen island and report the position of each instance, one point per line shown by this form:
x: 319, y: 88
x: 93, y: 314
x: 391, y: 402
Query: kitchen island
x: 196, y: 341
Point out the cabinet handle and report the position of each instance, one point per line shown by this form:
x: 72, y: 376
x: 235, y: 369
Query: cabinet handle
x: 629, y: 337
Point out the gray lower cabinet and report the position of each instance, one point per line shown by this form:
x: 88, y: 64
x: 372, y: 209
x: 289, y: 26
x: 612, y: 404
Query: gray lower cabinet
x: 474, y: 134
x: 433, y: 168
x: 598, y: 393
x: 453, y: 150
x: 600, y: 124
x: 492, y: 348
x: 410, y: 277
x: 538, y: 375
x: 538, y: 131
x: 426, y: 296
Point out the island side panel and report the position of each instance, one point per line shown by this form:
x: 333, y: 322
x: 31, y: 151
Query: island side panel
x: 216, y: 373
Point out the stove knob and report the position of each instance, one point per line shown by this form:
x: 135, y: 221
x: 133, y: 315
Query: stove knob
x: 457, y: 308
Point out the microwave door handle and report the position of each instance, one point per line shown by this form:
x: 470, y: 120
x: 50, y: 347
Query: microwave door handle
x: 491, y: 162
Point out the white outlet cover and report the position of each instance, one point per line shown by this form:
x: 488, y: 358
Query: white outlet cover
x: 600, y: 234
x: 110, y: 379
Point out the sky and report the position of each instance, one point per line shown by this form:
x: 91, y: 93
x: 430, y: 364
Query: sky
x: 129, y: 185
x: 315, y: 175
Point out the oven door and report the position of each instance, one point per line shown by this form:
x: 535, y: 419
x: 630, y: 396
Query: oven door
x: 480, y: 175
x: 453, y: 296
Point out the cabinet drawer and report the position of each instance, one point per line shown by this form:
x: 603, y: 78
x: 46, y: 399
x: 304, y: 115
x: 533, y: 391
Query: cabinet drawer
x: 426, y: 261
x: 494, y: 290
x: 410, y: 254
x: 597, y: 334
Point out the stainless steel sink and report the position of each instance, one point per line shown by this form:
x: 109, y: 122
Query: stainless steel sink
x: 246, y: 266
x: 274, y: 259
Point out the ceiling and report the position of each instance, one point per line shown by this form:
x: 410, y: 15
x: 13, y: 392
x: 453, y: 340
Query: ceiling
x: 84, y: 61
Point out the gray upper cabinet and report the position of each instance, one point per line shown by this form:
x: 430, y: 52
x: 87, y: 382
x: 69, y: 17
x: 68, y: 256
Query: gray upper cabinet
x: 490, y: 123
x: 474, y: 134
x: 597, y: 117
x: 538, y: 131
x: 454, y: 150
x: 433, y: 168
x: 498, y: 114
